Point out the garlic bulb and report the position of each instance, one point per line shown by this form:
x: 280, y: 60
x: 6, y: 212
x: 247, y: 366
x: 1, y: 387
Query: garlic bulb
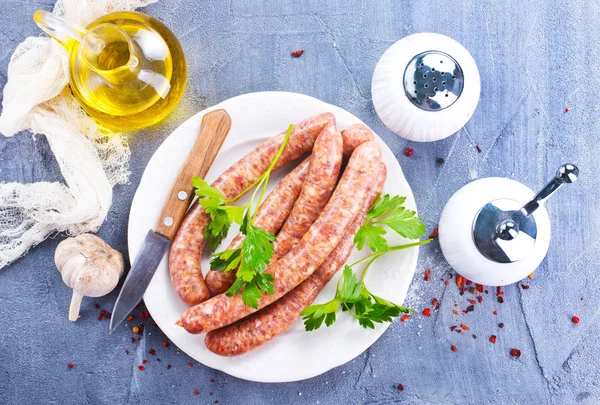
x: 425, y: 87
x: 89, y: 266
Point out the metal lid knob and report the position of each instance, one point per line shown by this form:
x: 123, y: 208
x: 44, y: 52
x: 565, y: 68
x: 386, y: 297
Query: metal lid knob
x: 505, y: 232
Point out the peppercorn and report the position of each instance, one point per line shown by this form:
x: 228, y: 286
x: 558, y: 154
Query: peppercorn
x: 575, y: 319
x: 453, y: 348
x: 434, y: 302
x: 501, y: 300
x: 493, y: 338
x: 501, y: 325
x: 142, y: 368
x: 525, y: 286
x: 400, y: 387
x: 474, y: 336
x: 165, y: 344
x: 440, y: 161
x: 408, y: 152
x: 71, y: 365
x: 515, y: 352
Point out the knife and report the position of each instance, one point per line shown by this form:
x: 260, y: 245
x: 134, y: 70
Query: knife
x: 214, y: 128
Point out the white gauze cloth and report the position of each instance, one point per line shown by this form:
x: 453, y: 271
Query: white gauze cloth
x: 91, y: 159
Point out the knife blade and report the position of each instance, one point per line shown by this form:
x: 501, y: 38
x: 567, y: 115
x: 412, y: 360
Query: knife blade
x: 213, y: 130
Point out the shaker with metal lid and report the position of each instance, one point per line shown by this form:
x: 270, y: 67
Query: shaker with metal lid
x: 494, y: 231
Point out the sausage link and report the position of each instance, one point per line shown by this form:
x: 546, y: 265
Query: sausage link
x: 187, y: 246
x: 325, y: 164
x: 307, y: 255
x: 259, y: 328
x: 270, y: 217
x: 274, y: 211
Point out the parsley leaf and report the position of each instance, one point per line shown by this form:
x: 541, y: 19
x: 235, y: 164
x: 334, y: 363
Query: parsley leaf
x: 226, y: 260
x: 213, y: 202
x: 388, y: 211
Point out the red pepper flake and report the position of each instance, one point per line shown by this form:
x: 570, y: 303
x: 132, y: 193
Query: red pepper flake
x: 168, y: 366
x: 500, y: 294
x: 427, y: 275
x: 139, y: 339
x: 130, y: 318
x: 566, y: 110
x: 404, y: 317
x: 434, y: 302
x: 142, y: 368
x: 525, y: 286
x: 400, y: 387
x: 165, y: 344
x: 427, y: 312
x: 450, y: 275
x: 479, y: 287
x: 501, y: 325
x: 434, y: 234
x: 495, y: 312
x: 196, y: 392
x: 210, y: 393
x: 107, y: 315
x: 478, y: 148
x: 126, y: 351
x: 152, y: 352
x: 71, y: 365
x: 132, y: 340
x: 101, y: 315
x: 480, y: 299
x: 297, y: 54
x: 470, y: 308
x: 460, y: 280
x: 190, y: 364
x: 212, y: 380
x: 147, y: 314
x: 216, y: 401
x: 452, y: 328
x: 575, y: 319
x: 501, y: 300
x: 474, y: 336
x: 455, y: 312
x: 581, y: 298
x: 469, y: 282
x: 144, y: 361
x: 446, y: 283
x: 453, y: 348
x: 493, y: 338
x: 472, y: 302
x: 515, y: 352
x: 464, y: 327
x: 97, y: 305
x: 408, y: 152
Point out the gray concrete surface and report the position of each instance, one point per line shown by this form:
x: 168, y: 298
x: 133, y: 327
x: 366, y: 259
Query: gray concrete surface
x: 536, y: 58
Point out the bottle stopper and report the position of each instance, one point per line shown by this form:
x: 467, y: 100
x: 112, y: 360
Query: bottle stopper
x: 425, y: 87
x: 494, y: 231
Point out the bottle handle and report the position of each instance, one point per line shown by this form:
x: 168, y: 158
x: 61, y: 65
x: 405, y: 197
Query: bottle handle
x: 61, y: 30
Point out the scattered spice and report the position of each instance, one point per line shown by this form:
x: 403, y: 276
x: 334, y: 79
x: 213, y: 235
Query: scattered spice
x: 530, y: 276
x: 453, y: 348
x: 97, y: 305
x: 434, y: 302
x: 470, y: 308
x: 464, y: 327
x: 210, y: 393
x: 400, y: 387
x: 455, y: 312
x: 107, y: 315
x: 190, y: 364
x: 501, y: 300
x: 566, y: 110
x: 493, y: 338
x: 132, y: 340
x: 479, y: 287
x: 501, y: 294
x: 440, y: 161
x: 216, y: 401
x: 452, y: 328
x: 478, y: 148
x: 473, y: 290
x: 495, y: 312
x: 472, y: 302
x: 130, y: 318
x: 212, y: 380
x: 101, y: 315
x: 165, y: 344
x: 474, y: 336
x: 297, y: 54
x: 404, y: 317
x: 427, y: 312
x: 408, y: 152
x: 152, y: 352
x: 142, y: 368
x: 135, y: 329
x: 434, y: 234
x: 501, y: 325
x: 168, y: 366
x: 515, y: 352
x: 460, y: 280
x: 480, y: 299
x: 71, y: 365
x: 144, y: 361
x: 575, y: 319
x: 525, y: 286
x: 196, y: 392
x: 427, y: 275
x: 126, y: 351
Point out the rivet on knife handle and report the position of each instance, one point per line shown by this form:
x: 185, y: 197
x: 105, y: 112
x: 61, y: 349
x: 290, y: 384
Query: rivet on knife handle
x: 213, y: 130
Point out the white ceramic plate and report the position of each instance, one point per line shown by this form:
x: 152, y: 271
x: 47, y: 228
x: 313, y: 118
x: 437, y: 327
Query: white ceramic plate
x: 296, y: 354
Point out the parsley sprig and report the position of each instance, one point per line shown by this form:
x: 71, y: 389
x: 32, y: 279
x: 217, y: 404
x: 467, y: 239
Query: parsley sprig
x: 352, y: 295
x: 252, y: 258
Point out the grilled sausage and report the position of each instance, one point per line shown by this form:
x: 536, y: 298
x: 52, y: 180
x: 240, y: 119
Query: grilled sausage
x: 187, y: 246
x: 259, y: 328
x: 307, y: 255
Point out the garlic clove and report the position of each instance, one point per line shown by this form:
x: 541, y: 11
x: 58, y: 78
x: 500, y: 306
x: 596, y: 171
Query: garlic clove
x: 89, y: 266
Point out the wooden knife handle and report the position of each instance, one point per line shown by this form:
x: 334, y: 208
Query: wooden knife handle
x: 213, y: 130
